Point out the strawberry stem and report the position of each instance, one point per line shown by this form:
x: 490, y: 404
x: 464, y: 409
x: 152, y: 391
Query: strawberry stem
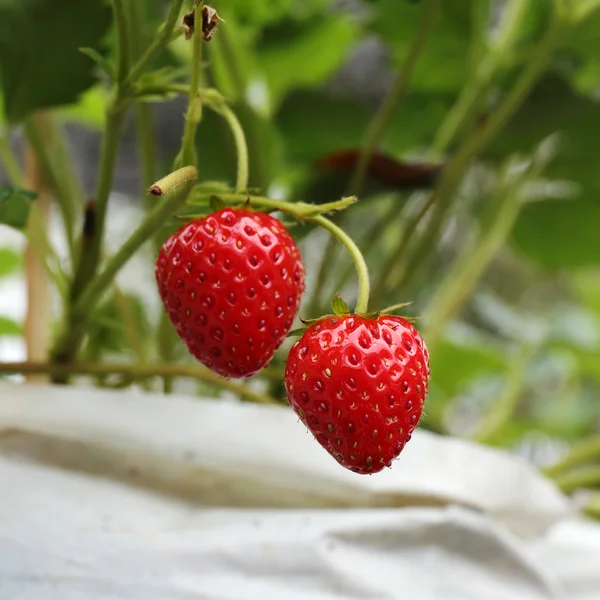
x: 359, y: 262
x: 187, y: 155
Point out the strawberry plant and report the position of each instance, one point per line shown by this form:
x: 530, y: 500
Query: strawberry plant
x: 432, y: 152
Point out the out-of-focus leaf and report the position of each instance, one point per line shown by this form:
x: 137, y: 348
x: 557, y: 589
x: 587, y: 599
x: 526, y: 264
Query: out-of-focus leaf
x: 8, y: 327
x: 455, y: 364
x: 14, y: 207
x: 10, y: 261
x: 39, y: 42
x: 90, y: 110
x: 295, y: 55
x: 314, y: 124
x: 561, y: 234
x: 558, y: 233
x: 443, y: 64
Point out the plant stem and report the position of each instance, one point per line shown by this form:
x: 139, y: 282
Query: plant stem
x: 504, y: 407
x: 388, y: 271
x: 362, y: 270
x: 123, y: 52
x: 68, y: 343
x: 586, y: 477
x: 463, y: 275
x: 162, y: 38
x: 473, y: 94
x: 91, y: 249
x: 581, y: 452
x: 136, y: 373
x: 10, y: 162
x: 381, y: 121
x: 38, y: 316
x: 145, y: 130
x: 46, y: 140
x: 194, y: 111
x: 240, y: 143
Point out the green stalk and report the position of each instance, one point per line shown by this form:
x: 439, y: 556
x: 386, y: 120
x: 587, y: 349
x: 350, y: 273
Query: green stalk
x: 362, y: 270
x: 145, y: 129
x: 91, y: 249
x: 381, y: 121
x: 10, y: 163
x: 582, y: 452
x: 374, y: 136
x: 123, y: 32
x: 240, y: 144
x: 57, y: 165
x: 162, y: 38
x: 68, y: 343
x: 474, y: 259
x: 585, y: 477
x: 133, y: 373
x: 475, y: 92
x: 194, y: 112
x: 505, y: 406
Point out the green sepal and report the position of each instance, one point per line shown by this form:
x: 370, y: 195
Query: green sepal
x: 216, y: 204
x: 339, y: 307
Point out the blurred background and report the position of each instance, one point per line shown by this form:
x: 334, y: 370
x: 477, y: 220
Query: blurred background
x: 476, y: 122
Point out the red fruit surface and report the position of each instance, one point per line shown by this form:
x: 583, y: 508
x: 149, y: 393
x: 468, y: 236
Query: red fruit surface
x: 359, y: 385
x: 231, y: 283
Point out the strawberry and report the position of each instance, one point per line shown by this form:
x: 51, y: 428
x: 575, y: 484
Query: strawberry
x: 231, y: 283
x: 359, y: 385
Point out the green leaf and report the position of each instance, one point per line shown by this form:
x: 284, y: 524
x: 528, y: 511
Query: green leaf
x: 302, y: 55
x: 10, y: 262
x: 14, y: 207
x: 8, y: 327
x: 457, y: 363
x: 39, y: 42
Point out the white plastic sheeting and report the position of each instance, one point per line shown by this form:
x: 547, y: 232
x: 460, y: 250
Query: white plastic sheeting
x: 119, y: 495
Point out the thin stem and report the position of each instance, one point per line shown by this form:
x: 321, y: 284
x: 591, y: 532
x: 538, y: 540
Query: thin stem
x: 361, y: 266
x: 194, y: 112
x: 463, y: 275
x: 122, y: 27
x: 153, y: 222
x: 388, y: 271
x: 163, y: 37
x: 10, y: 163
x: 46, y: 140
x: 582, y: 452
x: 136, y: 373
x: 381, y: 122
x: 586, y: 477
x: 173, y: 180
x: 91, y: 249
x: 473, y: 94
x: 145, y: 127
x: 504, y: 407
x: 240, y: 143
x: 67, y: 344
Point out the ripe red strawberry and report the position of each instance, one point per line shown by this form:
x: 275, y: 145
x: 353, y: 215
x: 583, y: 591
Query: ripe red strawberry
x: 231, y: 283
x: 359, y: 385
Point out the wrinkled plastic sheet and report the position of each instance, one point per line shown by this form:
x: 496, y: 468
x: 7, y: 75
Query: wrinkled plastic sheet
x: 121, y: 495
